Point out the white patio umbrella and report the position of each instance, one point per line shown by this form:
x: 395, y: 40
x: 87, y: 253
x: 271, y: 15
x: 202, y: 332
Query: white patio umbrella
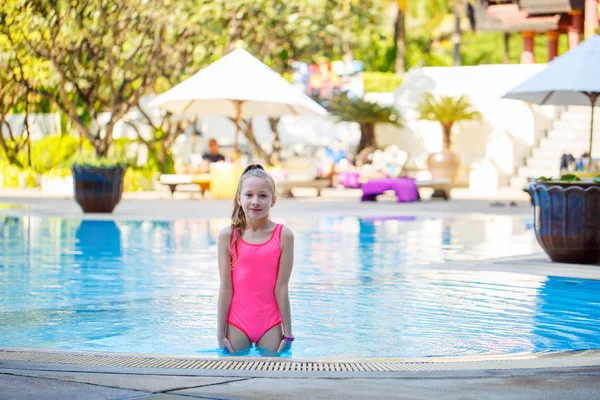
x: 237, y: 86
x: 571, y: 79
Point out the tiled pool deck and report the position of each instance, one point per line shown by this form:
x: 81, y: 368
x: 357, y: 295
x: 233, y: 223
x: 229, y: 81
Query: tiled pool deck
x: 37, y: 374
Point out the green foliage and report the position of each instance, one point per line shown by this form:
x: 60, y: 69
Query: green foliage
x: 30, y: 177
x: 58, y: 172
x: 94, y: 57
x: 570, y: 178
x: 420, y: 51
x: 50, y: 152
x: 119, y: 150
x: 281, y: 31
x: 377, y: 52
x: 117, y: 156
x: 488, y: 47
x: 362, y: 111
x: 137, y: 180
x: 381, y: 82
x: 447, y: 109
x: 153, y: 163
x: 544, y: 178
x: 12, y: 176
x: 482, y: 48
x: 99, y: 162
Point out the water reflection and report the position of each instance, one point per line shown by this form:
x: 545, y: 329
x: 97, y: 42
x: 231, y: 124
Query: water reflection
x: 360, y: 287
x: 97, y: 239
x: 563, y: 299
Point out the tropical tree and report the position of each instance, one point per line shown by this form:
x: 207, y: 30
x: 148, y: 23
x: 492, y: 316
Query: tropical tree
x: 14, y: 96
x: 101, y: 55
x: 183, y: 57
x: 400, y: 36
x: 366, y: 114
x: 279, y: 32
x: 447, y: 110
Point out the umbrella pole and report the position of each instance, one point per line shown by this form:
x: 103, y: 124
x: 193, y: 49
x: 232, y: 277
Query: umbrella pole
x: 238, y: 114
x: 593, y: 97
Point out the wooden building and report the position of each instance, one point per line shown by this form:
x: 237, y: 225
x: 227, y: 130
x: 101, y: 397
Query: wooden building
x: 550, y: 18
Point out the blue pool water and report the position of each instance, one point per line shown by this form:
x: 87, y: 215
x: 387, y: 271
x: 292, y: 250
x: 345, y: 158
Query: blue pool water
x: 360, y: 287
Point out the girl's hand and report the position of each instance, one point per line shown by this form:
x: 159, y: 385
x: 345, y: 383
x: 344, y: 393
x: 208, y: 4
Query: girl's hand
x: 284, y: 345
x: 224, y: 343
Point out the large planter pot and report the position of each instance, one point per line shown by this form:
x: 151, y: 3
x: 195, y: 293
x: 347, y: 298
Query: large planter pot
x: 98, y: 189
x: 443, y: 165
x: 567, y: 220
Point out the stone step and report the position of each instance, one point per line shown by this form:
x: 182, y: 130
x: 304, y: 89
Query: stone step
x: 526, y: 172
x: 547, y: 153
x: 569, y: 134
x: 545, y: 162
x: 580, y: 109
x: 575, y: 146
x: 576, y: 126
x: 517, y: 182
x: 539, y: 154
x: 564, y: 134
x: 580, y: 116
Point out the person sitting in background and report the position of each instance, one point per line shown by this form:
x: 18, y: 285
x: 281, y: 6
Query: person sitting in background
x: 212, y: 155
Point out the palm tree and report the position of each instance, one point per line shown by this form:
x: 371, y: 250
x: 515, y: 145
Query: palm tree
x: 366, y: 114
x: 447, y: 110
x: 400, y: 37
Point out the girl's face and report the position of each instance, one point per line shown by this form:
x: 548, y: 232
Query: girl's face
x: 256, y: 198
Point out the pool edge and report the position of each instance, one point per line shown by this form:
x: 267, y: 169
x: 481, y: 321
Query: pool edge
x: 275, y: 366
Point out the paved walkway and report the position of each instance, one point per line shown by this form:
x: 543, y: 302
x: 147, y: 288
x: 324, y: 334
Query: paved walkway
x: 333, y: 202
x: 36, y: 380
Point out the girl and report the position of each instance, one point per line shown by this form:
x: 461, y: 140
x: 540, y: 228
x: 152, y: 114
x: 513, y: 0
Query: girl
x: 255, y: 263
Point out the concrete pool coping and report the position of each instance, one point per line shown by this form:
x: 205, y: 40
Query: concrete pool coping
x: 342, y: 367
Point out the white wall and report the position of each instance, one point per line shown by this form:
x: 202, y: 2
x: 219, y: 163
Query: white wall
x: 505, y: 134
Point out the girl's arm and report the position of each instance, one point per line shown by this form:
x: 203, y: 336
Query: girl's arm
x: 225, y: 287
x: 281, y: 287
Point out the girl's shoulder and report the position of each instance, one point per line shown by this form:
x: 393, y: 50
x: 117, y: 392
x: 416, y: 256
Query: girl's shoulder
x: 286, y: 233
x: 225, y: 233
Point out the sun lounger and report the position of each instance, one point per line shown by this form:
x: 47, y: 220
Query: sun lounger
x: 286, y: 186
x: 441, y: 187
x: 406, y: 188
x: 300, y: 172
x: 173, y: 180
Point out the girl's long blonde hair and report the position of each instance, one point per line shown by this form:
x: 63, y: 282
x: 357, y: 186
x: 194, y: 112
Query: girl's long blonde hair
x: 238, y: 217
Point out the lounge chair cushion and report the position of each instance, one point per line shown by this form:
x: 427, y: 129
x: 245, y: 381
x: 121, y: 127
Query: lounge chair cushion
x: 405, y: 188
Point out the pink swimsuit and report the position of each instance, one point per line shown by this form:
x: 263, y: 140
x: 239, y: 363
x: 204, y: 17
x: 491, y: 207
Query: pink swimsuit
x: 254, y: 307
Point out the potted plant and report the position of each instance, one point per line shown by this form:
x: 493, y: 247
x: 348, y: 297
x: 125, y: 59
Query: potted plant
x: 566, y: 219
x: 366, y: 114
x: 98, y: 184
x: 446, y: 110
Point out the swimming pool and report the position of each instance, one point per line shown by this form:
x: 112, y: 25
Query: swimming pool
x: 361, y: 287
